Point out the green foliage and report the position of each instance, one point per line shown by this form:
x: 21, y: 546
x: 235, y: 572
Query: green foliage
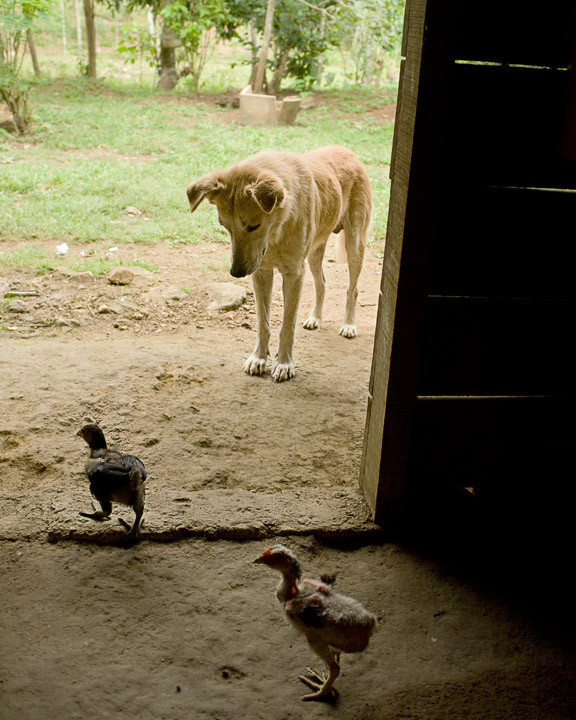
x: 16, y: 18
x: 196, y: 25
x: 378, y: 30
x: 304, y: 31
x: 137, y: 43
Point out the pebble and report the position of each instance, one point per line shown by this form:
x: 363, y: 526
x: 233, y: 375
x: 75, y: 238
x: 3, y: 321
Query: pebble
x: 120, y: 276
x: 17, y: 306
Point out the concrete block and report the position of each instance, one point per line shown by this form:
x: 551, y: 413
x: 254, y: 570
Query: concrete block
x: 289, y: 110
x: 257, y: 109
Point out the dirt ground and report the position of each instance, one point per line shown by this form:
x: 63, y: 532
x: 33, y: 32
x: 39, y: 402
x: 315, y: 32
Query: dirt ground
x: 183, y: 625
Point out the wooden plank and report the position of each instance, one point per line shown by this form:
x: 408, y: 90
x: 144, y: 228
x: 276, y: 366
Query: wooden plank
x: 479, y: 346
x: 383, y: 497
x: 483, y: 441
x: 503, y: 31
x: 503, y: 242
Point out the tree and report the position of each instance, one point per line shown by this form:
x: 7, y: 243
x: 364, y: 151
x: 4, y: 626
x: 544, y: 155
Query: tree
x: 195, y: 26
x: 187, y: 32
x: 301, y: 31
x: 16, y: 18
x: 378, y: 29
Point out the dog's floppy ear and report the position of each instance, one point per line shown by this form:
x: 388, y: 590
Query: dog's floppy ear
x: 267, y: 193
x: 209, y: 185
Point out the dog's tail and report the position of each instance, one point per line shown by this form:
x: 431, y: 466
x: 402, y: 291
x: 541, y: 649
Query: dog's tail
x: 341, y: 254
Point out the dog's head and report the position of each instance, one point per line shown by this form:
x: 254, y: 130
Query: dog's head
x: 250, y: 203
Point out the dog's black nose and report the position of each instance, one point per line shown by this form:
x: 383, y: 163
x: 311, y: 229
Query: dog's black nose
x: 237, y: 271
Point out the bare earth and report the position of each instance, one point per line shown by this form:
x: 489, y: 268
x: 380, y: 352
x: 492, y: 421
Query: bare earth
x: 182, y: 625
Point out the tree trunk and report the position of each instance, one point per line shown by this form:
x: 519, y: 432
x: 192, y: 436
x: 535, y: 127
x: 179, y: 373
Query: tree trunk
x: 33, y: 55
x: 17, y: 101
x: 254, y: 54
x: 320, y: 66
x: 261, y: 71
x: 90, y: 36
x: 168, y: 73
x: 78, y: 26
x: 279, y: 73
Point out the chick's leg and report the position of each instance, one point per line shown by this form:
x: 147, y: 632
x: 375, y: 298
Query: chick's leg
x: 103, y: 514
x: 323, y: 686
x: 138, y: 506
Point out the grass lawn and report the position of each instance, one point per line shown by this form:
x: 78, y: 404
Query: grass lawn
x: 99, y: 147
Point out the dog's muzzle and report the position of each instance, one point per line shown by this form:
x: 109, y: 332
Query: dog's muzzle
x: 239, y: 270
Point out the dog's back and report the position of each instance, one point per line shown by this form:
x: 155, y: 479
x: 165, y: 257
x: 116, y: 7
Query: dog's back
x: 356, y: 195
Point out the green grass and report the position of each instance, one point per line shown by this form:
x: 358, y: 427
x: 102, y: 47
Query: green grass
x: 36, y: 259
x: 98, y: 147
x: 27, y: 258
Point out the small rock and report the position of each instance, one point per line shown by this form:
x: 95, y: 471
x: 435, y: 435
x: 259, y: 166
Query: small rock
x: 85, y: 276
x: 66, y: 322
x: 17, y: 306
x: 227, y: 296
x: 159, y: 293
x: 120, y: 276
x: 131, y: 210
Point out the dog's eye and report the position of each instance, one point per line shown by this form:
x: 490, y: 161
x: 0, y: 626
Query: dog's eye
x: 251, y: 228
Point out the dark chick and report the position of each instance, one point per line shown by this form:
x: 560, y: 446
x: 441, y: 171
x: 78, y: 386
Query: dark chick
x: 332, y: 623
x: 114, y: 477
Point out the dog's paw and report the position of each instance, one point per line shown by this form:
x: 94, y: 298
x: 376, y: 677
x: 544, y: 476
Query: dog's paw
x: 313, y: 323
x: 255, y: 365
x: 348, y: 331
x: 283, y: 371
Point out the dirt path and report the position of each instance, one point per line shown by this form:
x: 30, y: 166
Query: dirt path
x: 163, y: 376
x: 191, y: 628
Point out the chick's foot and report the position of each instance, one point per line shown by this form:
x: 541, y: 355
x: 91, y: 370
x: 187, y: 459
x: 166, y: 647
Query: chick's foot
x: 324, y: 691
x: 98, y: 515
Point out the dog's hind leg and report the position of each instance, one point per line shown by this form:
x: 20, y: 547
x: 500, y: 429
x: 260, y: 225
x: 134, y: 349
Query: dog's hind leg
x: 355, y: 247
x: 262, y: 281
x: 315, y: 259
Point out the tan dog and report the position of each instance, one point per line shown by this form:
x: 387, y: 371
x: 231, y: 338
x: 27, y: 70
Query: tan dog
x: 280, y: 209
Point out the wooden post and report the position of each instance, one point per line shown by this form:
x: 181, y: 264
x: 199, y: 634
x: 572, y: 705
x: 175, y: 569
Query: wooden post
x: 389, y: 417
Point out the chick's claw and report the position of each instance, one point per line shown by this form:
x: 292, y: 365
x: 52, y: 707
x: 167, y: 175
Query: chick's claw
x: 317, y: 682
x: 98, y: 515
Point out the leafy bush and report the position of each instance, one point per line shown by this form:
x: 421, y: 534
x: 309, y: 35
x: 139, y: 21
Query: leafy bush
x: 16, y: 18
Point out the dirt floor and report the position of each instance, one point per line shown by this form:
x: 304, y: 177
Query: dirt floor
x: 183, y: 625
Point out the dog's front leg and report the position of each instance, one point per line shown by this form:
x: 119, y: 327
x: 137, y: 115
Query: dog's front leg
x: 262, y: 281
x: 291, y: 289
